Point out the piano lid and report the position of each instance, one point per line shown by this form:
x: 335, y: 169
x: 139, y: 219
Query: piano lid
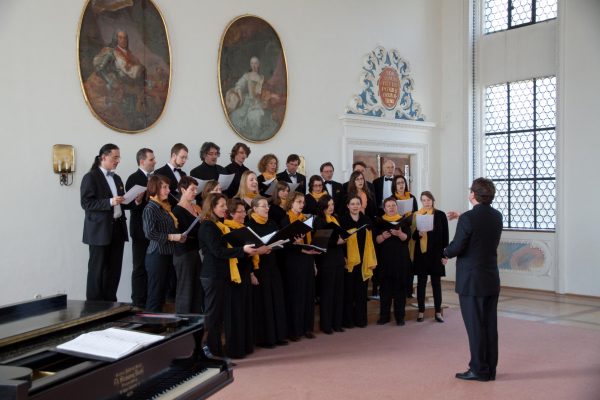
x: 30, y: 319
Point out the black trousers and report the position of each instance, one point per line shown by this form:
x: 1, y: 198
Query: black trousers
x: 436, y: 286
x: 331, y: 305
x: 189, y: 296
x: 104, y: 267
x: 214, y: 305
x: 157, y: 267
x: 139, y: 277
x: 481, y: 321
x: 355, y: 298
x: 392, y: 290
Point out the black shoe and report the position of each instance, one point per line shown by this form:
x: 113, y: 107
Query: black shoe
x: 382, y: 321
x: 472, y: 376
x: 400, y: 322
x: 493, y: 376
x: 327, y: 331
x: 309, y: 335
x: 267, y: 345
x: 294, y: 338
x: 282, y: 343
x: 339, y: 329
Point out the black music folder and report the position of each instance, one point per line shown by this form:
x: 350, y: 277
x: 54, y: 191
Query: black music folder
x: 320, y: 240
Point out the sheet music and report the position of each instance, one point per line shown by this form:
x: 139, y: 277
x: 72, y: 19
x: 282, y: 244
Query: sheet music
x: 133, y: 193
x: 187, y: 231
x: 201, y: 184
x: 405, y: 206
x: 109, y: 344
x: 309, y: 222
x: 425, y: 222
x: 293, y: 186
x: 225, y: 180
x: 272, y: 186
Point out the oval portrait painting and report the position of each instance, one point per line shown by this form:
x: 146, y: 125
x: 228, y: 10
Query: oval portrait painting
x: 253, y: 78
x: 124, y: 62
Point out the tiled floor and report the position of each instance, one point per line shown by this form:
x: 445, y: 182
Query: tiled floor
x: 540, y: 306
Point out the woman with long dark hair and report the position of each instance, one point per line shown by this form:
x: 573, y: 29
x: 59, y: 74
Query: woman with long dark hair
x: 401, y: 192
x: 357, y: 187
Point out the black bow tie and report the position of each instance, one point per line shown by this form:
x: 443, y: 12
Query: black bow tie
x: 292, y: 175
x: 177, y: 170
x: 328, y: 182
x: 389, y: 179
x: 110, y: 173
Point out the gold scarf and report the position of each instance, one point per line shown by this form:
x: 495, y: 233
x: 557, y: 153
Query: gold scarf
x: 293, y: 217
x: 250, y: 195
x: 167, y: 207
x: 317, y: 196
x: 331, y: 218
x: 423, y: 239
x: 404, y: 196
x: 268, y: 175
x: 392, y: 218
x: 233, y: 262
x: 259, y: 219
x: 369, y: 259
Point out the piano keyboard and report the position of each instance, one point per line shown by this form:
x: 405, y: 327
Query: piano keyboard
x: 174, y: 384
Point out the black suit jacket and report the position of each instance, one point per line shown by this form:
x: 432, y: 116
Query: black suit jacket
x: 238, y: 170
x: 168, y: 172
x: 475, y: 244
x: 95, y: 196
x: 336, y: 188
x: 301, y: 179
x: 378, y: 185
x: 136, y: 225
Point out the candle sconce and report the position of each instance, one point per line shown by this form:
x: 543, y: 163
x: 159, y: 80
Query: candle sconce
x: 63, y: 161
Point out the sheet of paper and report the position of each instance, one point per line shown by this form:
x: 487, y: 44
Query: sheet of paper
x: 201, y: 184
x: 293, y: 186
x: 405, y: 206
x: 424, y: 222
x: 225, y: 180
x: 309, y: 222
x: 271, y: 189
x: 187, y: 231
x: 133, y: 193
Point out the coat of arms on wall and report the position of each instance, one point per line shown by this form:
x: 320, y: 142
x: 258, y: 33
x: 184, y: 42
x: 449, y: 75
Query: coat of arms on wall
x: 386, y: 88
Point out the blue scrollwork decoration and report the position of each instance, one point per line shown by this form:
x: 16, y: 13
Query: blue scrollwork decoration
x: 369, y: 102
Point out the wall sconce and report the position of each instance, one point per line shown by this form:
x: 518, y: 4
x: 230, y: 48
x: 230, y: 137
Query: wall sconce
x: 63, y: 161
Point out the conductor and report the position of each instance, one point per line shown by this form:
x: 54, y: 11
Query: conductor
x: 477, y: 279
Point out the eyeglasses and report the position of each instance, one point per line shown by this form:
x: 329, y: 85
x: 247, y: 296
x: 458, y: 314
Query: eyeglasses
x: 213, y: 153
x: 242, y: 211
x: 263, y: 206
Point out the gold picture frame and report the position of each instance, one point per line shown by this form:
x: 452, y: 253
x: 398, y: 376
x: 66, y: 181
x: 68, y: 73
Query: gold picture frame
x: 253, y: 78
x: 124, y: 63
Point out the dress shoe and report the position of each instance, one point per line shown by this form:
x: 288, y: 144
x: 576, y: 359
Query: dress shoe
x: 294, y: 338
x: 266, y: 346
x: 472, y: 376
x: 493, y: 376
x: 420, y: 317
x: 382, y: 321
x: 339, y: 329
x: 327, y: 331
x: 400, y: 322
x: 282, y: 343
x: 309, y: 335
x: 439, y: 318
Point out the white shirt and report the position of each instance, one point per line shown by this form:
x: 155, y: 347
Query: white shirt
x: 176, y: 173
x: 117, y: 211
x: 387, y: 187
x: 293, y: 178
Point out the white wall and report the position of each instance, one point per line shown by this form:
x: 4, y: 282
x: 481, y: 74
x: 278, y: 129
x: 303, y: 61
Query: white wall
x: 41, y: 104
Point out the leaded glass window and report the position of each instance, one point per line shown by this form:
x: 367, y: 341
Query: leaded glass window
x: 501, y: 15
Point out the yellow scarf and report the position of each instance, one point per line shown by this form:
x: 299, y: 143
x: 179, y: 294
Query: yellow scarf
x: 331, y: 218
x: 268, y: 175
x: 250, y: 195
x: 293, y: 217
x: 167, y: 207
x: 392, y: 218
x: 317, y: 196
x: 423, y: 239
x: 233, y: 262
x: 369, y: 259
x: 404, y: 196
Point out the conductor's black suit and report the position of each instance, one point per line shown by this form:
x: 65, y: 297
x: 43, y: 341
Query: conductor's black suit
x: 478, y: 283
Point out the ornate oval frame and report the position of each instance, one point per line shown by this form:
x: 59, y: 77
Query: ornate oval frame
x: 125, y: 82
x: 254, y: 102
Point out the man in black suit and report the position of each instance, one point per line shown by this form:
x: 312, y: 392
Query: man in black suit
x: 477, y: 279
x: 139, y: 244
x: 104, y: 226
x: 383, y: 184
x: 239, y: 154
x: 209, y: 169
x: 291, y: 174
x: 332, y: 187
x: 173, y: 171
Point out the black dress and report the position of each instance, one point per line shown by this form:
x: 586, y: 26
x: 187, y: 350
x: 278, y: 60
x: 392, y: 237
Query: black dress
x: 430, y: 263
x: 269, y: 310
x: 299, y: 289
x: 355, y: 288
x: 393, y: 260
x: 239, y: 315
x: 410, y: 273
x: 331, y: 281
x: 276, y: 215
x: 310, y: 205
x: 189, y: 296
x: 214, y: 276
x: 262, y: 187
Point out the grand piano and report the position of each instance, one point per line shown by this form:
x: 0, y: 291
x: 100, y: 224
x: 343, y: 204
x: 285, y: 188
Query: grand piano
x: 173, y: 368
